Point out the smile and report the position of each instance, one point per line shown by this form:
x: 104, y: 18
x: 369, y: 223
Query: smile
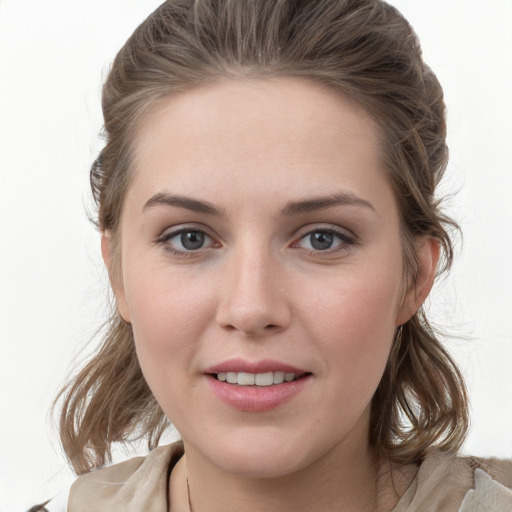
x: 256, y: 379
x: 259, y: 391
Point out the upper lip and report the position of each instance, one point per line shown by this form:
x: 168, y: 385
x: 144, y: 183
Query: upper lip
x: 263, y: 366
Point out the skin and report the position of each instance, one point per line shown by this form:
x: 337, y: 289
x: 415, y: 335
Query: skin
x: 259, y: 289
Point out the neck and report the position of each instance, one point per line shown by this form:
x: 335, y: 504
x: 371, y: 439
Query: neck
x: 350, y: 477
x: 305, y: 490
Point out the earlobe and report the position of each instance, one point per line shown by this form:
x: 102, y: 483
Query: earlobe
x: 427, y: 251
x: 114, y: 274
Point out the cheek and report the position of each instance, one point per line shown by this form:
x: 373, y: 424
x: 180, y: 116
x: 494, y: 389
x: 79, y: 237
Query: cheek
x: 168, y: 315
x: 354, y: 325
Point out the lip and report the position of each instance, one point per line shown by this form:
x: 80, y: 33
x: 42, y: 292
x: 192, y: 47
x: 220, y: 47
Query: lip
x: 256, y: 398
x: 263, y: 366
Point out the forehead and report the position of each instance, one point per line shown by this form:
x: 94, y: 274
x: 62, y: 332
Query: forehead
x: 279, y: 133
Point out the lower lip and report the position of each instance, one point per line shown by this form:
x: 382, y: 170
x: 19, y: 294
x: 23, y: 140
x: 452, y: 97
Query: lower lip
x: 256, y: 398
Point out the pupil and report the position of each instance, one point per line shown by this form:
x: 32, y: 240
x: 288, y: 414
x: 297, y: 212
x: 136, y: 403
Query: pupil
x: 321, y: 240
x: 192, y: 240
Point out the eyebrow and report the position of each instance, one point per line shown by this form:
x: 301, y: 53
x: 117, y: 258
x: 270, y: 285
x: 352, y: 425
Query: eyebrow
x: 291, y: 208
x: 182, y: 202
x: 324, y: 202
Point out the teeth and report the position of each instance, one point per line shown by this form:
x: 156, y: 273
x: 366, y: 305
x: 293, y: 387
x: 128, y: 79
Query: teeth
x: 255, y: 379
x: 245, y: 379
x: 264, y: 379
x: 278, y: 377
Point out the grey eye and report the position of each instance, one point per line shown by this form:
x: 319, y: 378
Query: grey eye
x: 187, y: 240
x: 321, y: 240
x: 325, y: 240
x: 192, y: 240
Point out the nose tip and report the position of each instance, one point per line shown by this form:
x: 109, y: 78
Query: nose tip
x: 254, y: 301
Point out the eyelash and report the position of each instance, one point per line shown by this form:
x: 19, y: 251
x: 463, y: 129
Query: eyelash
x: 166, y: 237
x: 345, y: 241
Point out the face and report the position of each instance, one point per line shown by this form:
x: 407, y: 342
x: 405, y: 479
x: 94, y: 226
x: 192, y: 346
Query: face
x: 262, y: 271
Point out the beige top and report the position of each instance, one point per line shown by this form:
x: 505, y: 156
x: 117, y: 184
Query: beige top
x: 444, y: 483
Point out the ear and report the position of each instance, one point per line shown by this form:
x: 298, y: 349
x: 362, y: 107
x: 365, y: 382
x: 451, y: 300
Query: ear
x: 114, y: 273
x: 427, y: 253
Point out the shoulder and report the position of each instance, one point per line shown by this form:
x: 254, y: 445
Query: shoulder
x: 492, y: 486
x: 140, y: 482
x: 459, y: 484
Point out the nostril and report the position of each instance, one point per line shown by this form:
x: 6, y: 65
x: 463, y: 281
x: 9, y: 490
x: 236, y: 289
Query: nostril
x: 252, y: 318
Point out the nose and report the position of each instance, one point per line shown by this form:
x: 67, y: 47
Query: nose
x: 253, y: 299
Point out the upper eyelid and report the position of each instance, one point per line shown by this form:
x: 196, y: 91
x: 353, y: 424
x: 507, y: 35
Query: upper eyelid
x: 337, y: 230
x: 181, y: 228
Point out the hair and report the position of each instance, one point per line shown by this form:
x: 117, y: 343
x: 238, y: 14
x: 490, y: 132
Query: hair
x: 368, y: 52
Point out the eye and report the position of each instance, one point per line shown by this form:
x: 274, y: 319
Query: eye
x: 324, y: 240
x: 190, y: 240
x: 186, y: 240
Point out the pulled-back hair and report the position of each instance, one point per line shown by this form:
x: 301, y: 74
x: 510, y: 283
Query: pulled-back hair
x: 368, y: 52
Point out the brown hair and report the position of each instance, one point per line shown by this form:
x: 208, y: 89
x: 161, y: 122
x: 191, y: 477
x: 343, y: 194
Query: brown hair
x: 366, y: 50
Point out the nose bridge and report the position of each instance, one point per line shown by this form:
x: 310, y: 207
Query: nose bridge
x: 253, y: 299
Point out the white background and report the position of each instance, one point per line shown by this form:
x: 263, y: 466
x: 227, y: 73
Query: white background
x: 53, y: 57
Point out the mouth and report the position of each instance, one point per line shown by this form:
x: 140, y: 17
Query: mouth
x: 260, y: 387
x: 258, y: 379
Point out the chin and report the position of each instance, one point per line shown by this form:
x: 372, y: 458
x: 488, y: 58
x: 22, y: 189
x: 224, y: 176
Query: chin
x: 258, y: 466
x: 260, y: 456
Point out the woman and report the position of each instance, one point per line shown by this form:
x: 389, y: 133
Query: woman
x: 268, y: 218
